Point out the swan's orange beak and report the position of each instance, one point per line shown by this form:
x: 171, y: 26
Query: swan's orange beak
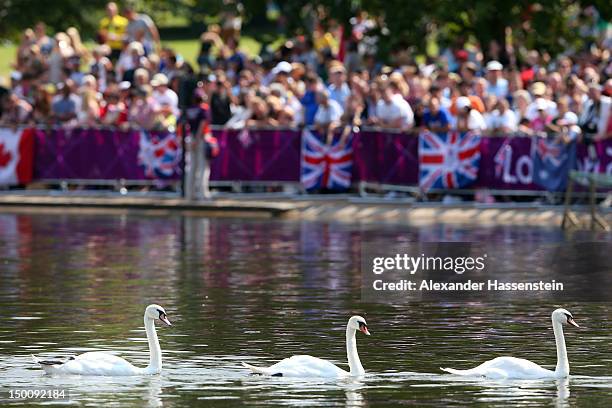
x: 364, y: 329
x: 164, y: 319
x: 571, y: 321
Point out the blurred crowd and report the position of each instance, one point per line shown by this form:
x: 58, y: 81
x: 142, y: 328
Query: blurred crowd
x: 329, y: 79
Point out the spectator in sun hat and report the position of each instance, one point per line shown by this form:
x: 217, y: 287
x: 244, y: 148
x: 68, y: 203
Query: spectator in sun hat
x: 543, y: 118
x: 163, y: 95
x: 130, y: 59
x: 539, y: 90
x: 338, y: 88
x: 565, y: 126
x: 283, y: 68
x: 498, y: 85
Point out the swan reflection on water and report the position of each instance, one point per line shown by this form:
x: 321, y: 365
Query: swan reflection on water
x: 354, y: 399
x: 154, y: 391
x: 563, y: 393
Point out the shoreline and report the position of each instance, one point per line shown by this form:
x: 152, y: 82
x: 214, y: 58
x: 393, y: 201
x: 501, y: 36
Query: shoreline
x: 312, y: 208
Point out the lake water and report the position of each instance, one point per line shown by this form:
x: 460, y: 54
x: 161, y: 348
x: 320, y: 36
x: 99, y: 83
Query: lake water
x: 259, y: 291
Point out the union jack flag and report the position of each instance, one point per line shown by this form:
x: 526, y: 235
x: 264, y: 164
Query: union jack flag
x: 448, y: 160
x: 159, y: 154
x: 326, y: 166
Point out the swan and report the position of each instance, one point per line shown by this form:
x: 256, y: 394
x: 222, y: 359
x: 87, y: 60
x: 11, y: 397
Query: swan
x: 519, y: 368
x: 308, y: 366
x: 100, y: 363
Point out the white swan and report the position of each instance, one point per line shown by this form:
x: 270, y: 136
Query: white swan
x: 308, y: 366
x: 519, y: 368
x: 99, y: 363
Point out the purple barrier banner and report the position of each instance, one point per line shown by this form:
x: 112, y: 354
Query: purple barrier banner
x: 507, y: 162
x: 387, y: 158
x: 104, y: 154
x: 276, y: 156
x: 257, y: 155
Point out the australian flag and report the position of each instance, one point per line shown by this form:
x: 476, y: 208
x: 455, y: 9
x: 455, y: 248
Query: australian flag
x: 552, y: 162
x: 326, y: 166
x: 448, y: 160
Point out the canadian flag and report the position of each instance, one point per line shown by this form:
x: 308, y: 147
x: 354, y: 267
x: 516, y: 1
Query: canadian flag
x: 16, y: 156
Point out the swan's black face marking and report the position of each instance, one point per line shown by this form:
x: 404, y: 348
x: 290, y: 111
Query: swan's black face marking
x: 570, y: 320
x: 363, y: 328
x: 163, y: 317
x: 277, y: 375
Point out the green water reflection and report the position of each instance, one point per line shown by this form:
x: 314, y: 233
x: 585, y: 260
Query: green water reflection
x: 259, y: 291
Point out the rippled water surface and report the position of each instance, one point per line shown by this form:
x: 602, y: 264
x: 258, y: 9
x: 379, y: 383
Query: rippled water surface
x: 258, y: 291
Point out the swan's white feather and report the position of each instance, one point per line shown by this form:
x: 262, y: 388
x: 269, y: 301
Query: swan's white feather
x: 301, y: 366
x: 505, y: 367
x: 95, y: 363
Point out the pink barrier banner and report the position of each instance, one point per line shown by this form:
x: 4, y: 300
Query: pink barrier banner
x: 105, y: 154
x: 387, y: 158
x: 279, y: 155
x: 257, y: 155
x: 508, y: 162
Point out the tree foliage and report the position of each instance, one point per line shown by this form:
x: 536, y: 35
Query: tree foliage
x: 547, y: 24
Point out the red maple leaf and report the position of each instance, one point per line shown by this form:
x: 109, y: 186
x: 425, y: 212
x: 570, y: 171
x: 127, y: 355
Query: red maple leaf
x: 5, y: 156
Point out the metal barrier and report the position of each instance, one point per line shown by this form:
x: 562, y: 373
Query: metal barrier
x: 264, y: 158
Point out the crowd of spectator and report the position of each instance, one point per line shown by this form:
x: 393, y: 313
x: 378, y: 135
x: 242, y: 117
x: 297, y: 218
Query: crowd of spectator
x: 329, y: 79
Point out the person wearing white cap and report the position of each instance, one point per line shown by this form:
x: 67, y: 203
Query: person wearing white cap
x: 498, y: 85
x: 130, y: 58
x: 543, y: 118
x: 468, y: 118
x: 565, y: 126
x: 164, y: 96
x: 282, y: 68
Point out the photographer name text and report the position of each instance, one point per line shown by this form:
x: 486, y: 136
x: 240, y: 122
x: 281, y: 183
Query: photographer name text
x: 406, y: 285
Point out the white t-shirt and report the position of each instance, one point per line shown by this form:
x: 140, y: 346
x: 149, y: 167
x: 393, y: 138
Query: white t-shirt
x: 496, y: 120
x: 475, y: 121
x: 398, y: 107
x: 167, y: 97
x: 532, y: 109
x: 327, y: 114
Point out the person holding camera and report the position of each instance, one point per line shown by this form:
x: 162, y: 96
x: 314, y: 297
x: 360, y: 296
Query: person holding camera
x: 594, y: 118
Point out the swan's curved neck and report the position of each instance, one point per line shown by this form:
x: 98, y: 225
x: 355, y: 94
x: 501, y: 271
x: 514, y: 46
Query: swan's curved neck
x: 155, y: 357
x: 562, y: 369
x: 351, y: 352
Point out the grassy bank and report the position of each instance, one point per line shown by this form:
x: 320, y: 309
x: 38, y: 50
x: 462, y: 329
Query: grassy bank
x: 188, y: 48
